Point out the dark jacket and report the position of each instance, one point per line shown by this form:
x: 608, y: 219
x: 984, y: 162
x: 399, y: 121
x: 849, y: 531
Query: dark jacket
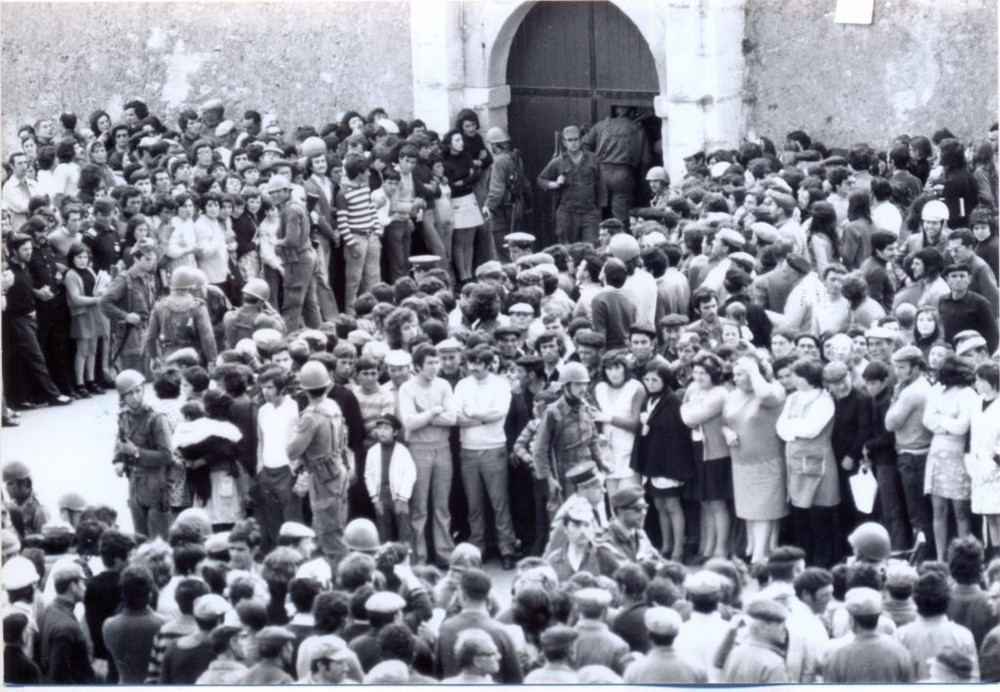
x: 102, y: 600
x: 665, y: 430
x: 65, y: 656
x: 461, y: 174
x: 851, y: 424
x: 881, y: 444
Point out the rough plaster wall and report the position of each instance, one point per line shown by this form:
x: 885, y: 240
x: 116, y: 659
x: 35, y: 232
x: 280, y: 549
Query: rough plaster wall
x: 921, y: 65
x: 301, y: 62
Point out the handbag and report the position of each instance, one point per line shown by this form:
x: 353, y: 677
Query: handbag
x: 864, y: 488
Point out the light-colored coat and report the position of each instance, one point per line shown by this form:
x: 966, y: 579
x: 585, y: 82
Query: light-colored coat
x: 984, y: 444
x: 402, y: 472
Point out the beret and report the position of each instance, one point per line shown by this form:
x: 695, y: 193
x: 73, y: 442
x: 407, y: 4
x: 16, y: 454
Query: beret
x: 293, y: 529
x: 627, y: 496
x: 663, y: 621
x: 674, y: 320
x: 863, y: 601
x: 385, y: 602
x: 954, y: 267
x: 588, y: 337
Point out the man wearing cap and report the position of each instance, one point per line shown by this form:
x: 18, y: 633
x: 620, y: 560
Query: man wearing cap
x: 519, y: 244
x: 589, y: 484
x: 726, y: 242
x: 912, y: 440
x: 331, y: 662
x: 143, y: 452
x: 295, y: 250
x: 962, y: 309
x: 704, y: 631
x: 186, y: 658
x: 20, y: 493
x: 240, y: 323
x: 20, y: 582
x: 227, y: 668
x: 508, y: 191
x: 582, y: 553
x: 622, y: 148
x: 274, y: 646
x: 626, y: 533
x: 851, y: 429
x: 557, y: 648
x: 664, y: 665
x: 575, y: 176
x: 127, y: 303
x: 596, y: 644
x: 760, y: 659
x: 320, y: 443
x: 64, y: 650
x: 102, y: 238
x: 590, y: 348
x: 871, y: 657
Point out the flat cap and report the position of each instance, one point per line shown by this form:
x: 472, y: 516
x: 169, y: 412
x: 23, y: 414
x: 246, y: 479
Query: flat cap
x: 391, y: 672
x: 359, y: 337
x: 588, y: 337
x: 293, y: 529
x: 502, y: 331
x: 217, y: 543
x: 19, y: 572
x: 386, y: 602
x: 558, y: 636
x: 66, y: 570
x: 104, y: 205
x: 529, y: 360
x: 266, y: 339
x: 969, y: 345
x: 211, y: 104
x: 765, y: 232
x: 390, y: 420
x: 628, y: 497
x: 583, y: 474
x: 863, y: 601
x: 767, y: 610
x: 57, y: 527
x: 224, y: 128
x: 643, y: 328
x: 744, y: 261
x: 424, y: 261
x: 520, y: 307
x: 665, y: 622
x: 398, y: 358
x: 520, y: 239
x: 674, y: 320
x: 593, y: 597
x: 907, y: 354
x: 491, y: 268
x: 877, y: 332
x: 275, y: 634
x: 704, y: 583
x: 277, y: 181
x: 731, y: 237
x: 954, y: 267
x: 211, y: 606
x: 798, y: 263
x: 450, y: 344
x: 330, y: 648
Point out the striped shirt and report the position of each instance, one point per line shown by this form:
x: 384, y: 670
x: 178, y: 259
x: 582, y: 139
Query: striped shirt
x: 355, y: 212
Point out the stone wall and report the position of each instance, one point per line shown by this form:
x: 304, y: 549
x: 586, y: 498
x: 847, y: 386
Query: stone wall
x: 920, y: 65
x: 302, y: 62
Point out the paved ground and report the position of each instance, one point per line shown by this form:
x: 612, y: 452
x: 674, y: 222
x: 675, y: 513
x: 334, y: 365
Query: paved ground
x: 69, y: 448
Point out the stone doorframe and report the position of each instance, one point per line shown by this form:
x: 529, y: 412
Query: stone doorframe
x: 460, y: 52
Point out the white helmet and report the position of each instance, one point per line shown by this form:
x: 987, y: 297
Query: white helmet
x: 657, y: 173
x: 935, y: 210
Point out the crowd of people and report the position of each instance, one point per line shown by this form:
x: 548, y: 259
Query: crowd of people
x: 748, y: 433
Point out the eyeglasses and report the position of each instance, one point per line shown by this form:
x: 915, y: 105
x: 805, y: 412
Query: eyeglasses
x: 572, y: 139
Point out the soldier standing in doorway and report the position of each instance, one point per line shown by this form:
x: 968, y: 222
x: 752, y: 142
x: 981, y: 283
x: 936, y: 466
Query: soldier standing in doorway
x: 623, y: 150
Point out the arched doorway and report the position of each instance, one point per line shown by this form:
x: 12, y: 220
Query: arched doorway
x: 569, y: 62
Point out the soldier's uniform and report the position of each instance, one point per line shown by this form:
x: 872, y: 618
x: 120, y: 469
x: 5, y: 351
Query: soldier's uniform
x: 132, y: 291
x: 180, y: 321
x: 147, y: 469
x: 102, y: 241
x: 240, y: 323
x: 319, y: 444
x: 33, y: 514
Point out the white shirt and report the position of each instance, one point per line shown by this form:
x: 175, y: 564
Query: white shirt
x: 491, y: 395
x: 698, y: 640
x: 277, y: 425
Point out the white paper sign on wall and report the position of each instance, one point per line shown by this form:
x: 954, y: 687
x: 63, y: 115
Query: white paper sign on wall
x: 854, y: 11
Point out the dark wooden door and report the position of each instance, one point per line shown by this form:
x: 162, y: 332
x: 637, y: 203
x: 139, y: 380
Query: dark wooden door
x: 569, y: 63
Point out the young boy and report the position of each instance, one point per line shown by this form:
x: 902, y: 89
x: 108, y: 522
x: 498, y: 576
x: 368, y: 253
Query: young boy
x: 373, y: 400
x: 389, y: 478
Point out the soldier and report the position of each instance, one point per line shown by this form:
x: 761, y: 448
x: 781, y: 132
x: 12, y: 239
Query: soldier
x: 127, y: 303
x: 17, y: 481
x: 508, y: 190
x: 319, y: 443
x: 242, y: 322
x: 143, y: 454
x: 181, y: 320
